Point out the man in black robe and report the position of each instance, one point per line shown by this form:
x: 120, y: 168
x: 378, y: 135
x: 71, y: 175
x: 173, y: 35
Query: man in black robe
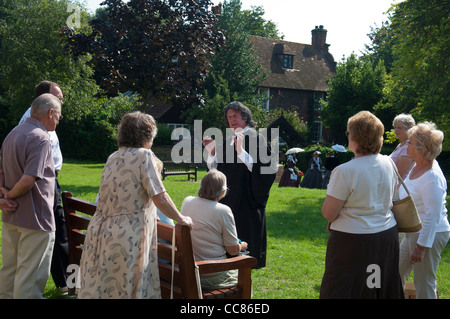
x: 245, y: 158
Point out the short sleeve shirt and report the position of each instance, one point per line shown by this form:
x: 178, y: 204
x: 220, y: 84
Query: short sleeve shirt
x: 27, y: 151
x: 56, y: 150
x: 366, y: 184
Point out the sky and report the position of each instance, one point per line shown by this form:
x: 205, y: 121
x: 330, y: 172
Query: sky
x: 347, y: 21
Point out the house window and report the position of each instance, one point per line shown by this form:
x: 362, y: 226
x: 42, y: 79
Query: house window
x: 288, y: 61
x: 317, y: 131
x: 317, y: 97
x: 265, y: 92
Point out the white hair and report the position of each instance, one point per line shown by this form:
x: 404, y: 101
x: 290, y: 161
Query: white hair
x: 43, y: 103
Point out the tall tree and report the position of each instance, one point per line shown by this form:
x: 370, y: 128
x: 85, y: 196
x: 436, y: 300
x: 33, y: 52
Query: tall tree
x: 159, y: 48
x: 415, y: 46
x: 236, y: 63
x: 235, y: 72
x: 31, y: 51
x: 255, y: 24
x: 421, y: 37
x: 357, y: 85
x: 380, y: 48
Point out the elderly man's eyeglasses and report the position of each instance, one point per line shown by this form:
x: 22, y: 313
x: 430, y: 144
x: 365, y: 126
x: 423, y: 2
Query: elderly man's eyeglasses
x: 59, y: 115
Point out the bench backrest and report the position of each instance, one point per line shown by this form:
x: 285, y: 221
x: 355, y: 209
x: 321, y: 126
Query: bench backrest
x: 77, y: 212
x: 171, y: 166
x: 184, y: 281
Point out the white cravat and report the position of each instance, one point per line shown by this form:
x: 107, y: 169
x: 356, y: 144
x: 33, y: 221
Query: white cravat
x: 245, y: 157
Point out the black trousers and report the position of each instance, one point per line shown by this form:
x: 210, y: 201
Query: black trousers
x: 60, y: 258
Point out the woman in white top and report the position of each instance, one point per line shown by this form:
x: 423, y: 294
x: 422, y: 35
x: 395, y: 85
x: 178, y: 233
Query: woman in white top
x: 362, y: 252
x: 402, y: 123
x: 421, y: 252
x: 214, y: 233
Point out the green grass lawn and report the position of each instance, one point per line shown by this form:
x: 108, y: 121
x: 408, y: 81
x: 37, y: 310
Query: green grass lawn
x: 296, y: 236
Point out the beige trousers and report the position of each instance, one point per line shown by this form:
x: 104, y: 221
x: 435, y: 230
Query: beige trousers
x: 425, y: 280
x: 26, y: 260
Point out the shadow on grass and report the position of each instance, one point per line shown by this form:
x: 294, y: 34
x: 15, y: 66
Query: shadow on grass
x: 84, y: 163
x: 78, y: 191
x: 296, y: 214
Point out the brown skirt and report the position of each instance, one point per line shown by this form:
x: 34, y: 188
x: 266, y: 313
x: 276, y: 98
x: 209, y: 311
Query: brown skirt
x: 362, y: 266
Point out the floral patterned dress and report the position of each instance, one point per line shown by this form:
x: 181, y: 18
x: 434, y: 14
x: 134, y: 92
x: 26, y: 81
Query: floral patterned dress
x: 120, y: 258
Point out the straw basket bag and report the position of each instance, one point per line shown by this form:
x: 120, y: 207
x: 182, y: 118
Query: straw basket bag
x: 405, y: 211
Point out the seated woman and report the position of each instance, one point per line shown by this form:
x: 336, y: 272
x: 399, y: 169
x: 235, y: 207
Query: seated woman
x: 214, y: 233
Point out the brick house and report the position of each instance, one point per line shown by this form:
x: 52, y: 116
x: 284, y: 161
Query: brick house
x: 297, y: 75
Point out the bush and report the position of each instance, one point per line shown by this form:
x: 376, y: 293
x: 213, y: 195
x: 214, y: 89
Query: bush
x: 164, y: 135
x: 303, y: 158
x: 94, y: 135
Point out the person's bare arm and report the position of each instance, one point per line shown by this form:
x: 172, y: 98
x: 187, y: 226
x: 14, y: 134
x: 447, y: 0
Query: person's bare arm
x: 23, y: 185
x: 331, y: 208
x: 234, y: 250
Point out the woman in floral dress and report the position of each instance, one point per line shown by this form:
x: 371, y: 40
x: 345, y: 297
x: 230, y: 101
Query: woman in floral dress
x: 120, y: 258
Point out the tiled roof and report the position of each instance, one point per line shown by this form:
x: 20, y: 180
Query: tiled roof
x: 311, y: 67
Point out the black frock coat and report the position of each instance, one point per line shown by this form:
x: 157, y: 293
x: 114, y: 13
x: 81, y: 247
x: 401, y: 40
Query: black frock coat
x: 248, y: 190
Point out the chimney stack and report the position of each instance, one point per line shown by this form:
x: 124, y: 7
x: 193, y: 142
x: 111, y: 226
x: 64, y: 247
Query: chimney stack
x: 217, y: 10
x: 319, y: 38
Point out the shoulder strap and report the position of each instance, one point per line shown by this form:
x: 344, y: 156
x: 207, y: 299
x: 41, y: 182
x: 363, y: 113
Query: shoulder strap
x: 398, y: 176
x: 173, y: 262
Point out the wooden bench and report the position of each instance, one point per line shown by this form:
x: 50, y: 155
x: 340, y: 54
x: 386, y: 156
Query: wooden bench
x: 171, y: 168
x: 184, y: 283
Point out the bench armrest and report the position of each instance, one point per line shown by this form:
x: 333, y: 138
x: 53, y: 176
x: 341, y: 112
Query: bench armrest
x: 239, y: 262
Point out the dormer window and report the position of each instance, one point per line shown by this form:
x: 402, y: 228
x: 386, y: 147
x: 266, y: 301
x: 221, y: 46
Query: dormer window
x: 288, y: 61
x: 284, y: 54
